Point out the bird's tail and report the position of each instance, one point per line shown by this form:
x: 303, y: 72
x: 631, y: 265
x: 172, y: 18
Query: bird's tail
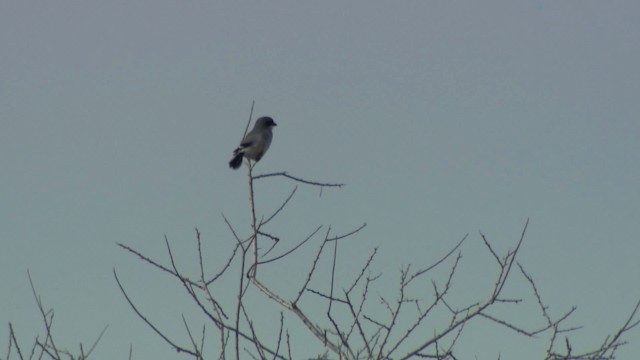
x: 236, y: 161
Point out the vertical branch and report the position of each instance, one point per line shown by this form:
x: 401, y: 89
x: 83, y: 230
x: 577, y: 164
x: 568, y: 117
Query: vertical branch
x: 254, y: 245
x: 253, y: 102
x: 279, y: 335
x: 313, y: 268
x: 333, y: 274
x: 244, y: 250
x: 256, y: 341
x: 198, y: 352
x: 239, y: 304
x: 205, y: 287
x: 12, y: 339
x: 48, y: 320
x: 289, y: 345
x: 251, y: 201
x: 254, y: 242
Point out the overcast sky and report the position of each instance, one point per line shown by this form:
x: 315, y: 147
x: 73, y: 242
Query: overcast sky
x: 118, y: 118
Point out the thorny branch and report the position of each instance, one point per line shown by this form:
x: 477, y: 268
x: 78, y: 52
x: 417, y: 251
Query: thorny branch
x: 349, y: 328
x: 374, y: 338
x: 294, y: 178
x: 48, y: 346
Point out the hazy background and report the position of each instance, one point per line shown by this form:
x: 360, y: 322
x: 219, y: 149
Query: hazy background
x: 117, y: 119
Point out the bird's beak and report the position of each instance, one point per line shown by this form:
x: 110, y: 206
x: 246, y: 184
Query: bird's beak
x: 274, y: 124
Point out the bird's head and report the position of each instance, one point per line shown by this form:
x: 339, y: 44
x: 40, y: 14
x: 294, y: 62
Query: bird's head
x: 265, y: 122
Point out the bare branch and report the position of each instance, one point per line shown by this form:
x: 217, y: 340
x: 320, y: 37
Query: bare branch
x: 293, y: 249
x: 272, y: 237
x: 253, y: 102
x: 502, y: 278
x: 256, y: 341
x: 508, y: 262
x: 275, y: 213
x: 235, y: 235
x: 48, y: 321
x: 316, y: 292
x: 284, y: 174
x: 364, y: 268
x: 611, y: 344
x: 12, y: 339
x: 202, y: 339
x: 279, y: 334
x: 484, y: 239
x: 254, y: 226
x: 347, y: 234
x: 313, y: 267
x: 178, y: 348
x: 508, y: 325
x: 315, y: 329
x: 289, y: 345
x: 333, y: 274
x: 418, y: 273
x: 95, y: 343
x: 193, y: 342
x: 157, y: 331
x: 439, y: 295
x: 148, y: 260
x: 358, y: 325
x: 216, y: 306
x: 395, y: 312
x: 241, y: 290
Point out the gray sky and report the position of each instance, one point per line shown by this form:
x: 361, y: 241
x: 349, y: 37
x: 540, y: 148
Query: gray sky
x: 117, y: 119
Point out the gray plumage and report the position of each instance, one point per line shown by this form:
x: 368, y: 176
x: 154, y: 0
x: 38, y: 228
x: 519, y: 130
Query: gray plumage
x: 255, y: 144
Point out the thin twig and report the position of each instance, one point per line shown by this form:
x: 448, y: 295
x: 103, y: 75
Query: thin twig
x: 12, y: 339
x: 256, y: 341
x: 47, y: 322
x: 316, y: 292
x: 358, y: 325
x: 254, y: 225
x: 95, y: 343
x: 178, y: 348
x: 293, y: 249
x: 335, y: 238
x: 253, y: 102
x: 502, y: 278
x: 486, y: 243
x: 152, y: 262
x: 364, y: 268
x: 277, y: 211
x: 193, y: 342
x: 279, y: 334
x: 289, y: 345
x: 333, y: 274
x: 427, y: 269
x: 315, y: 329
x: 284, y: 174
x: 239, y: 304
x: 313, y: 267
x: 235, y: 235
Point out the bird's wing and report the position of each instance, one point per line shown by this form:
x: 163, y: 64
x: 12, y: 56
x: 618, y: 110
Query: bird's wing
x: 246, y: 143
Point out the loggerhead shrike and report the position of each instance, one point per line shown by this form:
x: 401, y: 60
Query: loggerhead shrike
x: 255, y: 144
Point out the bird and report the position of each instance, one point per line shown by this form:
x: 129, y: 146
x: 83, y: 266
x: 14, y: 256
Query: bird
x: 255, y: 144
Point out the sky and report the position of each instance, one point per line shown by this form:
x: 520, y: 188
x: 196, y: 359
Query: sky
x: 118, y: 118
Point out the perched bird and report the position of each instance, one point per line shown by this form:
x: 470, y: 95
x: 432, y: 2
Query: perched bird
x: 255, y: 144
